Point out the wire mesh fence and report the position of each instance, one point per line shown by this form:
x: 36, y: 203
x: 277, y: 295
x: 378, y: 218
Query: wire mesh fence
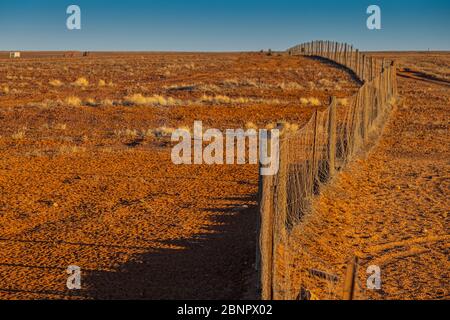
x: 309, y: 158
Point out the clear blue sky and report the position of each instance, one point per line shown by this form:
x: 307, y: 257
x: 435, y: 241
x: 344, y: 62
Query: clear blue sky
x: 222, y: 25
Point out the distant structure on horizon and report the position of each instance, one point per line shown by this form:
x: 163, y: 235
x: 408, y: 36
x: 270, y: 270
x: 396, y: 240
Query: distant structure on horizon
x: 14, y: 55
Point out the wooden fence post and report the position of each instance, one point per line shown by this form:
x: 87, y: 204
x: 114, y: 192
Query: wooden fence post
x: 394, y: 78
x: 328, y: 49
x: 281, y: 207
x: 265, y: 240
x: 347, y: 56
x: 351, y: 278
x: 372, y: 66
x: 365, y: 108
x: 357, y: 66
x: 363, y: 68
x: 314, y: 153
x: 331, y: 148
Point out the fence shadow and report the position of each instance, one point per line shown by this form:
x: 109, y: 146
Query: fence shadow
x: 336, y: 65
x: 217, y: 264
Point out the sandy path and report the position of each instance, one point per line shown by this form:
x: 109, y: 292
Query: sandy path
x: 391, y: 208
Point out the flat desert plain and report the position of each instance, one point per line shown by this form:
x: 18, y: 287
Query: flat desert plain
x: 86, y: 177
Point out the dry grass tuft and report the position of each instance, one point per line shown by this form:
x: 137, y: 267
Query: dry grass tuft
x: 73, y: 101
x: 5, y: 90
x: 60, y: 126
x: 180, y: 87
x: 91, y: 102
x: 19, y: 135
x: 55, y: 83
x: 285, y: 127
x: 325, y: 82
x: 310, y: 102
x: 163, y: 132
x: 155, y: 100
x: 66, y: 150
x: 251, y: 125
x: 343, y: 102
x: 271, y: 126
x: 290, y: 86
x: 46, y: 104
x: 81, y: 82
x: 107, y: 103
x: 221, y: 99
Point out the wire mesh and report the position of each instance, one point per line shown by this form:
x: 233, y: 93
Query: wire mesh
x: 309, y: 158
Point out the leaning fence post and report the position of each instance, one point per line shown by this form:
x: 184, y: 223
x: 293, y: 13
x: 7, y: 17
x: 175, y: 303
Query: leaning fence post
x: 351, y: 277
x: 332, y: 138
x: 265, y: 240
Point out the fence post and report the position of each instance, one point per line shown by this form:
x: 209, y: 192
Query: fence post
x: 354, y: 57
x: 363, y: 68
x: 394, y: 78
x: 365, y: 119
x: 265, y: 241
x: 372, y: 71
x: 335, y: 52
x: 357, y: 67
x: 328, y: 49
x: 280, y: 210
x: 313, y: 166
x: 351, y: 277
x: 347, y: 49
x: 332, y: 138
x: 388, y: 83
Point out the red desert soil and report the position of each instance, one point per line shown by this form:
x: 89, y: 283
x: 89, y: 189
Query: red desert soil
x: 391, y: 208
x: 78, y: 188
x: 86, y: 177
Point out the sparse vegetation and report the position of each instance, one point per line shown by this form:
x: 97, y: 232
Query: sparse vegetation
x: 60, y: 126
x: 81, y: 82
x: 19, y: 135
x: 5, y: 90
x: 67, y: 150
x: 343, y: 102
x: 155, y: 100
x: 73, y: 101
x: 310, y: 102
x: 101, y: 149
x: 163, y: 132
x: 55, y: 83
x: 251, y: 125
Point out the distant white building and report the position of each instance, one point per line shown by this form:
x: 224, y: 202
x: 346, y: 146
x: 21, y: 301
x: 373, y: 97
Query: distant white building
x: 14, y: 55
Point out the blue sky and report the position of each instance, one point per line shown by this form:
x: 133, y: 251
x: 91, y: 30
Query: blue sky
x: 222, y: 25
